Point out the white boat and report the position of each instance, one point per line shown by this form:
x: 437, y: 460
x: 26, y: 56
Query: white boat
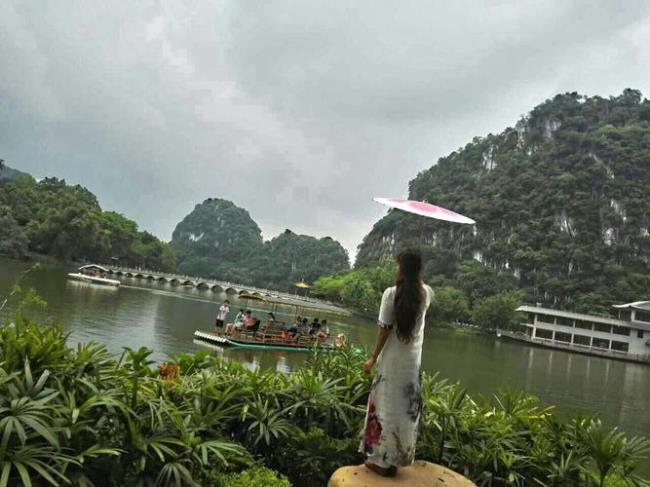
x: 93, y: 274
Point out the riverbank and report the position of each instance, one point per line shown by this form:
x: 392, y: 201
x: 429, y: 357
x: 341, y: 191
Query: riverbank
x: 123, y: 420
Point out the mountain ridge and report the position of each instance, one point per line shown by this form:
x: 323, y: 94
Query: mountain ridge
x: 560, y: 201
x: 219, y: 239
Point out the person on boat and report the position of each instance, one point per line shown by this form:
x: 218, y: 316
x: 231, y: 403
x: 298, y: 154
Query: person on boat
x: 270, y: 323
x: 239, y: 318
x: 395, y: 402
x: 304, y: 327
x: 251, y: 323
x: 324, y: 330
x: 237, y: 324
x: 315, y: 326
x: 224, y: 309
x: 292, y: 330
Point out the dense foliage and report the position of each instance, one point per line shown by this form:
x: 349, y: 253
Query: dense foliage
x: 53, y: 218
x: 290, y: 258
x: 359, y: 288
x: 476, y: 293
x: 215, y: 240
x: 561, y: 204
x: 218, y: 239
x: 78, y: 416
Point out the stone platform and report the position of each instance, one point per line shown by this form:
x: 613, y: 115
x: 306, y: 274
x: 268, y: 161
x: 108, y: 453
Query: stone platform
x: 420, y: 474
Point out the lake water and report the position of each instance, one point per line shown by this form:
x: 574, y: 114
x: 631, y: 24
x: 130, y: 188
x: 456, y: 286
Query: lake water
x: 164, y: 318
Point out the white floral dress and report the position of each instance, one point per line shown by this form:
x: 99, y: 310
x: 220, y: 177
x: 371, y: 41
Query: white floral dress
x: 395, y: 401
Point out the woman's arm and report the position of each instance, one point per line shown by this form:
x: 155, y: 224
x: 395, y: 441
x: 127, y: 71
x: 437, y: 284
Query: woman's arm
x: 382, y: 335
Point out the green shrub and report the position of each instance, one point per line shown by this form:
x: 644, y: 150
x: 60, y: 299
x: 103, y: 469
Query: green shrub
x: 254, y: 477
x: 310, y: 458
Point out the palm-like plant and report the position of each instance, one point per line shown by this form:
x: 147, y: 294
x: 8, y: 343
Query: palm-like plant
x: 265, y: 421
x: 609, y: 450
x: 28, y: 433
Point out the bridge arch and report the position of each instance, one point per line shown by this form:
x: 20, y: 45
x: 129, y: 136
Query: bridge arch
x: 217, y: 288
x: 129, y: 274
x: 162, y: 279
x: 202, y: 285
x: 231, y: 290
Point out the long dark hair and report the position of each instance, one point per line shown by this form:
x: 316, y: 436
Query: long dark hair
x: 408, y: 294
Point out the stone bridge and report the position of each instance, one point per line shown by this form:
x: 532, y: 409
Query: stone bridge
x: 195, y: 282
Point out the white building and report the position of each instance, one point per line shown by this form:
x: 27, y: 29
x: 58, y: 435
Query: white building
x: 626, y: 335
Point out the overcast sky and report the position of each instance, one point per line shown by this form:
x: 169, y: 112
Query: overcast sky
x: 298, y: 111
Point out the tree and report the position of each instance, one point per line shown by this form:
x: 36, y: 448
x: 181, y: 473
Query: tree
x: 498, y: 311
x: 13, y: 241
x: 360, y: 288
x: 448, y: 305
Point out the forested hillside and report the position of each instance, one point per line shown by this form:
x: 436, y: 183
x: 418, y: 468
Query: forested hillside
x: 561, y: 200
x: 290, y: 258
x: 53, y: 218
x: 219, y: 239
x: 216, y: 239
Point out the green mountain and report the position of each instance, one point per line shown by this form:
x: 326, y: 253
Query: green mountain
x: 53, y: 218
x: 561, y: 200
x: 218, y: 239
x: 290, y: 258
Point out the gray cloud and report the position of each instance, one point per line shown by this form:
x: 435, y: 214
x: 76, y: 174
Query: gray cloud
x: 298, y: 111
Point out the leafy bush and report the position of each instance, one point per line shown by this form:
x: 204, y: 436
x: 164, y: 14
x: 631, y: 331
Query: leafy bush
x: 497, y: 311
x: 256, y: 476
x: 448, y: 305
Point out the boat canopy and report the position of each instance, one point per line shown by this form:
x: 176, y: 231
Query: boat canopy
x: 297, y: 303
x: 93, y: 267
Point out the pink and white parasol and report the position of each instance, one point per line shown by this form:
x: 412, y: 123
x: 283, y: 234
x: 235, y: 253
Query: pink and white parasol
x: 425, y: 209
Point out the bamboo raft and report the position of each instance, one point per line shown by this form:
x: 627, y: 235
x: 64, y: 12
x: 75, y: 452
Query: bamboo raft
x: 263, y: 341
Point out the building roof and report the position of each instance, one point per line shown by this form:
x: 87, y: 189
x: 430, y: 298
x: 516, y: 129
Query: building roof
x: 644, y: 305
x: 571, y: 315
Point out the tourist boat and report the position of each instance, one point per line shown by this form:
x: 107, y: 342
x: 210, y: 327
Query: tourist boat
x: 249, y: 340
x: 93, y: 274
x: 265, y: 340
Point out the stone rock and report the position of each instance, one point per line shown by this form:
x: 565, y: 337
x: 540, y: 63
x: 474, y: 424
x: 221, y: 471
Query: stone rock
x: 420, y: 474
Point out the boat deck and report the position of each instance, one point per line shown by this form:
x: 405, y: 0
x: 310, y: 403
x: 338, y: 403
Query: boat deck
x: 264, y: 341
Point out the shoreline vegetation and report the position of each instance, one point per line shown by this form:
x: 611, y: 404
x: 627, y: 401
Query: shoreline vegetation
x: 77, y: 415
x: 50, y: 217
x: 478, y: 295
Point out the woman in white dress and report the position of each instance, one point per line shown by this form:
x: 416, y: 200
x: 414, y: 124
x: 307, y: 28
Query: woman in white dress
x: 395, y: 401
